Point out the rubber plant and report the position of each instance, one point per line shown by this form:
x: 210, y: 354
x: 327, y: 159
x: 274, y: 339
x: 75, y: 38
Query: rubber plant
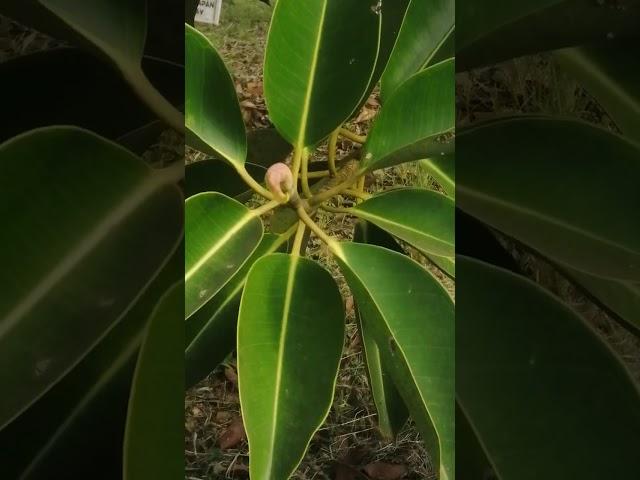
x: 531, y: 374
x: 85, y: 310
x: 249, y: 284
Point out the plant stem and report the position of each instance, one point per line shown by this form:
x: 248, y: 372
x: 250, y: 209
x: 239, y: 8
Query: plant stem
x: 297, y: 243
x: 332, y: 209
x: 357, y: 193
x: 305, y: 173
x: 249, y: 180
x: 333, y: 144
x: 266, y: 208
x: 302, y: 213
x: 319, y: 174
x: 352, y: 136
x: 153, y: 98
x: 296, y: 164
x: 327, y: 194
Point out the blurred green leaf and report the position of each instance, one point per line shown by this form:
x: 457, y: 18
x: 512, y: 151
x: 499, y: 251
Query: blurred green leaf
x: 212, y: 113
x: 221, y: 233
x: 49, y: 439
x: 392, y: 412
x: 77, y: 210
x: 611, y: 73
x: 426, y: 28
x: 153, y: 442
x: 541, y: 180
x: 411, y: 317
x: 491, y: 31
x: 290, y: 336
x: 412, y: 120
x: 424, y: 218
x: 320, y: 58
x: 118, y: 29
x: 527, y: 365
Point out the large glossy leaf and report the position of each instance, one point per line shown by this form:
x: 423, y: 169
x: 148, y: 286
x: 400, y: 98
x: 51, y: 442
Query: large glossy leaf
x: 49, y: 439
x: 424, y: 218
x: 68, y: 97
x: 220, y: 235
x: 392, y: 412
x: 443, y: 170
x: 544, y: 186
x: 153, y: 442
x: 527, y: 365
x: 212, y: 112
x: 118, y: 29
x: 426, y: 27
x: 490, y: 31
x: 611, y: 73
x: 392, y: 16
x: 290, y: 335
x: 77, y: 210
x: 211, y: 331
x: 412, y: 119
x: 319, y: 61
x: 412, y: 319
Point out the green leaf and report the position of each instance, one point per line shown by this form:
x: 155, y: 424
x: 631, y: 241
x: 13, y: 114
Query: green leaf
x: 213, y: 175
x: 490, y: 31
x: 413, y: 118
x: 76, y: 210
x: 527, y: 365
x: 611, y: 74
x: 443, y: 171
x: 392, y: 14
x: 118, y: 29
x: 319, y: 61
x: 290, y: 336
x: 392, y: 412
x: 426, y: 28
x: 424, y: 218
x: 212, y: 113
x: 541, y: 181
x: 211, y: 331
x: 411, y: 317
x: 153, y: 442
x: 49, y: 439
x: 220, y: 235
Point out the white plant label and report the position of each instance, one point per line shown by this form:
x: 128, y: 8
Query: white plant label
x: 209, y: 11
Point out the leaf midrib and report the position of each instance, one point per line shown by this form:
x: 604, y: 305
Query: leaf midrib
x: 279, y: 366
x: 312, y: 76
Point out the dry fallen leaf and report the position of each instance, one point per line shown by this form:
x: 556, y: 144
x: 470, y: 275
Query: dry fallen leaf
x: 385, y: 471
x: 233, y: 435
